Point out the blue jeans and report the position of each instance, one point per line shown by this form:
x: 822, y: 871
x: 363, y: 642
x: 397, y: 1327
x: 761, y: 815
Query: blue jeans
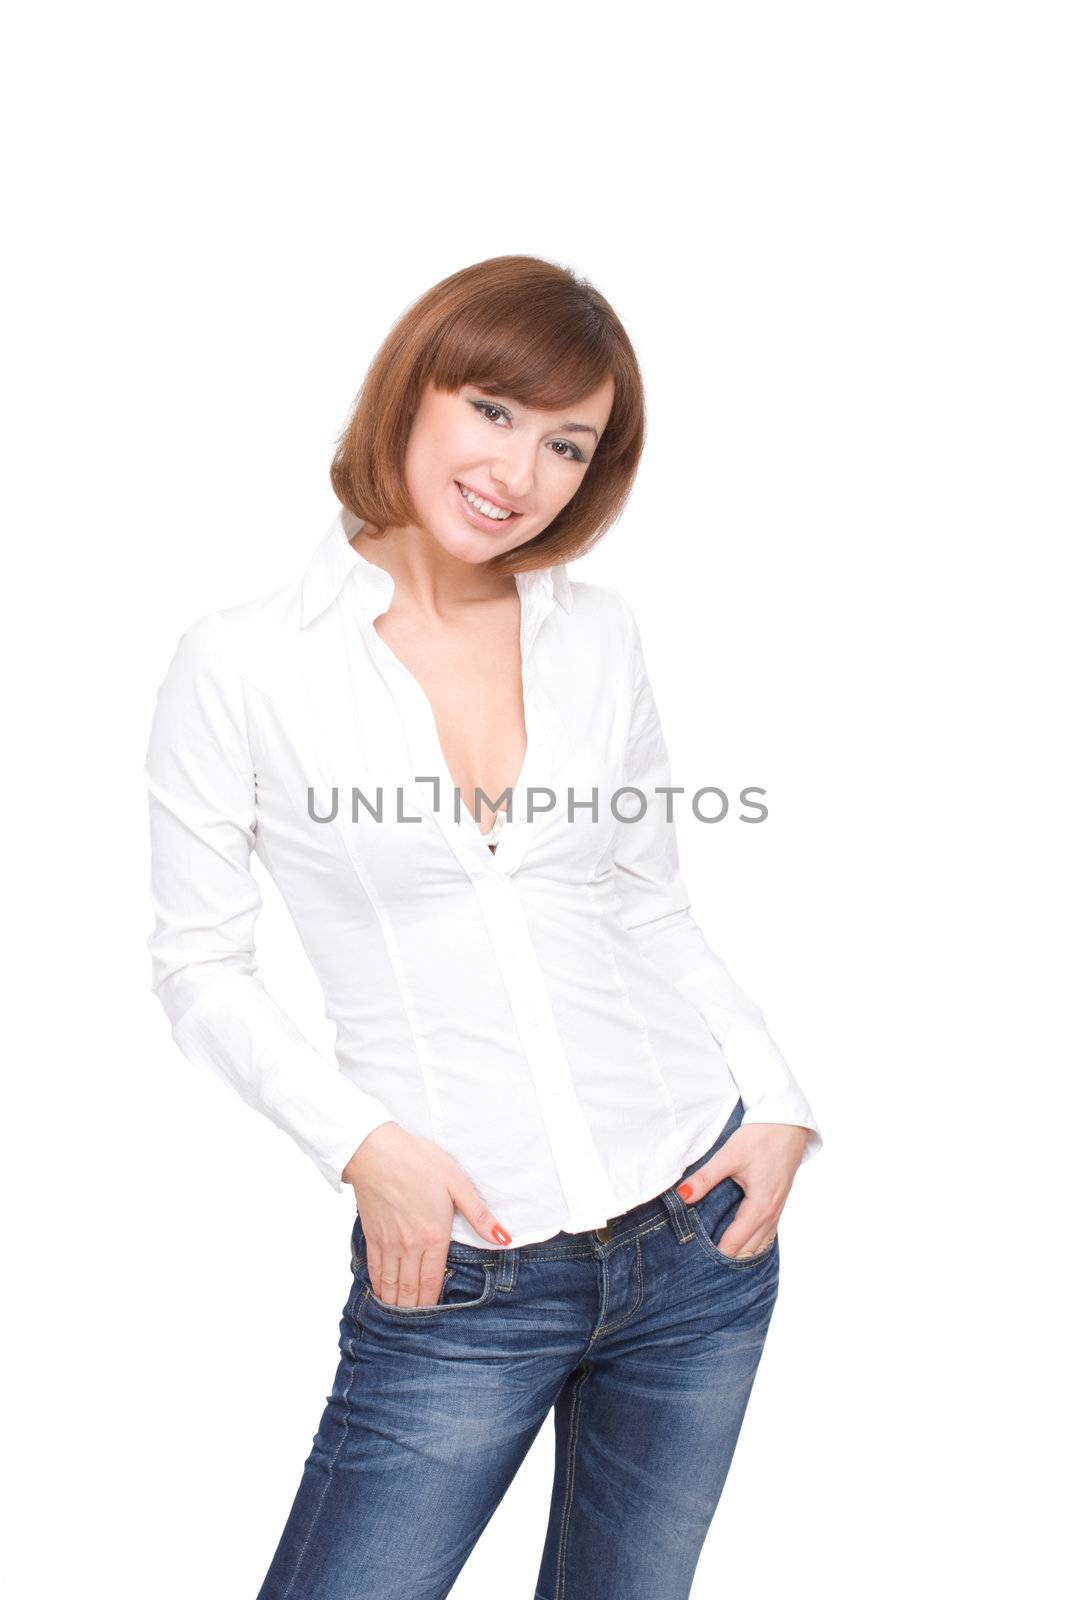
x: 645, y: 1344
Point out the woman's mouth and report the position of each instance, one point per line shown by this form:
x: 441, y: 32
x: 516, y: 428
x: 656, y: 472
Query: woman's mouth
x: 483, y: 511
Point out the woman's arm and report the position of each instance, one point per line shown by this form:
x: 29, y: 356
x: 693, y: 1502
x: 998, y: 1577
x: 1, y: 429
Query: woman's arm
x: 655, y: 907
x: 201, y: 796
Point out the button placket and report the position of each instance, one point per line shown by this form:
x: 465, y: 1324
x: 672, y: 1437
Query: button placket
x: 581, y: 1173
x: 582, y: 1176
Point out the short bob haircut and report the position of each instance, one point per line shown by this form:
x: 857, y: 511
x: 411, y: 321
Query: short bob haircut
x: 514, y: 326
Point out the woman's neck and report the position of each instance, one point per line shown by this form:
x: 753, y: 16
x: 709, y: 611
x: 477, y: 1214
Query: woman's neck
x: 431, y: 581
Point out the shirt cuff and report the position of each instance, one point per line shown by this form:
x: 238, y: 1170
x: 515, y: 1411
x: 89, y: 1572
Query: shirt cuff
x: 768, y: 1090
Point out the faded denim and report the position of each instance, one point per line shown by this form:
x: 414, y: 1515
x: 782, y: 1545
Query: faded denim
x: 645, y: 1344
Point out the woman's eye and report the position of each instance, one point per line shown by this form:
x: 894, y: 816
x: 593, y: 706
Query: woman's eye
x: 576, y: 454
x: 485, y: 406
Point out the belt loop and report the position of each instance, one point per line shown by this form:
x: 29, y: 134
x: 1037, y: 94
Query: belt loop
x: 507, y: 1268
x: 678, y: 1213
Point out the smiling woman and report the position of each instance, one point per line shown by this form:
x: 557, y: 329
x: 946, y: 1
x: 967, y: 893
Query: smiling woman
x: 510, y: 470
x: 512, y: 336
x: 569, y: 1133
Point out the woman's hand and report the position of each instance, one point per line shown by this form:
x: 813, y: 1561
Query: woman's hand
x: 762, y: 1157
x: 407, y: 1192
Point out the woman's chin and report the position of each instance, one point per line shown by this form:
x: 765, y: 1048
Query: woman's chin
x: 464, y: 543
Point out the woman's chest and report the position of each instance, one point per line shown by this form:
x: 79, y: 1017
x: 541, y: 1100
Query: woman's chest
x: 471, y: 678
x: 356, y: 756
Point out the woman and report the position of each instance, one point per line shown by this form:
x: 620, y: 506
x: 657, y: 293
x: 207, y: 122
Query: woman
x: 569, y: 1134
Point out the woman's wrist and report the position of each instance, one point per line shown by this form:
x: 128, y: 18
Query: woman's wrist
x: 355, y: 1160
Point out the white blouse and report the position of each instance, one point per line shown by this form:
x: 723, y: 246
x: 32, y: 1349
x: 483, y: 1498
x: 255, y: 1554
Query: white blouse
x: 548, y: 1012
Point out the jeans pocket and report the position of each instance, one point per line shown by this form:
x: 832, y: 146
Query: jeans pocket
x: 466, y: 1286
x: 712, y: 1215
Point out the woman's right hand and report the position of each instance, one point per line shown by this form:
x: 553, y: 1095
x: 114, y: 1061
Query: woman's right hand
x: 407, y: 1192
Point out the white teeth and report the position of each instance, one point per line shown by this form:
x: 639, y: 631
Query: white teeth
x: 484, y: 506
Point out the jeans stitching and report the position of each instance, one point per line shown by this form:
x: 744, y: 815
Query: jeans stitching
x: 679, y: 1215
x: 357, y: 1314
x: 329, y: 1474
x: 419, y: 1313
x: 635, y: 1308
x: 712, y: 1251
x: 568, y: 1497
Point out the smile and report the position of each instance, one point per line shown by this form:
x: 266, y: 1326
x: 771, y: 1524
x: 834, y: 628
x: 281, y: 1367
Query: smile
x: 484, y: 507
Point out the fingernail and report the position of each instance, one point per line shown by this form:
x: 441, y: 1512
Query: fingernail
x: 685, y: 1191
x: 500, y: 1234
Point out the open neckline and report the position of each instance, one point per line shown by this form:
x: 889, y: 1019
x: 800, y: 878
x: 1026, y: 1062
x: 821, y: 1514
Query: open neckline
x: 467, y: 816
x: 536, y: 591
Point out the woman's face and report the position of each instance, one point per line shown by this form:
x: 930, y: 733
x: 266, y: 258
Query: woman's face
x: 520, y: 465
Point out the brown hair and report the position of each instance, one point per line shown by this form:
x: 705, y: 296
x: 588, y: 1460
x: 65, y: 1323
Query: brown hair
x: 529, y: 329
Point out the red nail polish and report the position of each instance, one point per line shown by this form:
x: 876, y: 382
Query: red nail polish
x: 685, y: 1191
x: 500, y: 1235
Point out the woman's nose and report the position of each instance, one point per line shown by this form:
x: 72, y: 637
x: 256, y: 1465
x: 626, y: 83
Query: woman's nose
x: 514, y: 473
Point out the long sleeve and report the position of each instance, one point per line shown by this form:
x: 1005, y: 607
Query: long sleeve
x: 202, y: 814
x: 656, y: 910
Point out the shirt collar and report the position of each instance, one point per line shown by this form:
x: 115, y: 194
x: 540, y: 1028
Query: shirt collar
x: 335, y: 564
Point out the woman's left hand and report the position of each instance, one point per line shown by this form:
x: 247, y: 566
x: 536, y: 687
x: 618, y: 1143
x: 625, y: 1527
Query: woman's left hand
x: 761, y: 1157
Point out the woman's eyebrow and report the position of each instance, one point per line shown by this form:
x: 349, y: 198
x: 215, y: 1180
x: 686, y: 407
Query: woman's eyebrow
x: 579, y: 427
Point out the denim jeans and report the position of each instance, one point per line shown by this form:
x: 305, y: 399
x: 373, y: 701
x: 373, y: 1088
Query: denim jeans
x: 645, y: 1345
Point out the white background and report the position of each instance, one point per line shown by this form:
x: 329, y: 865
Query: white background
x: 836, y: 235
